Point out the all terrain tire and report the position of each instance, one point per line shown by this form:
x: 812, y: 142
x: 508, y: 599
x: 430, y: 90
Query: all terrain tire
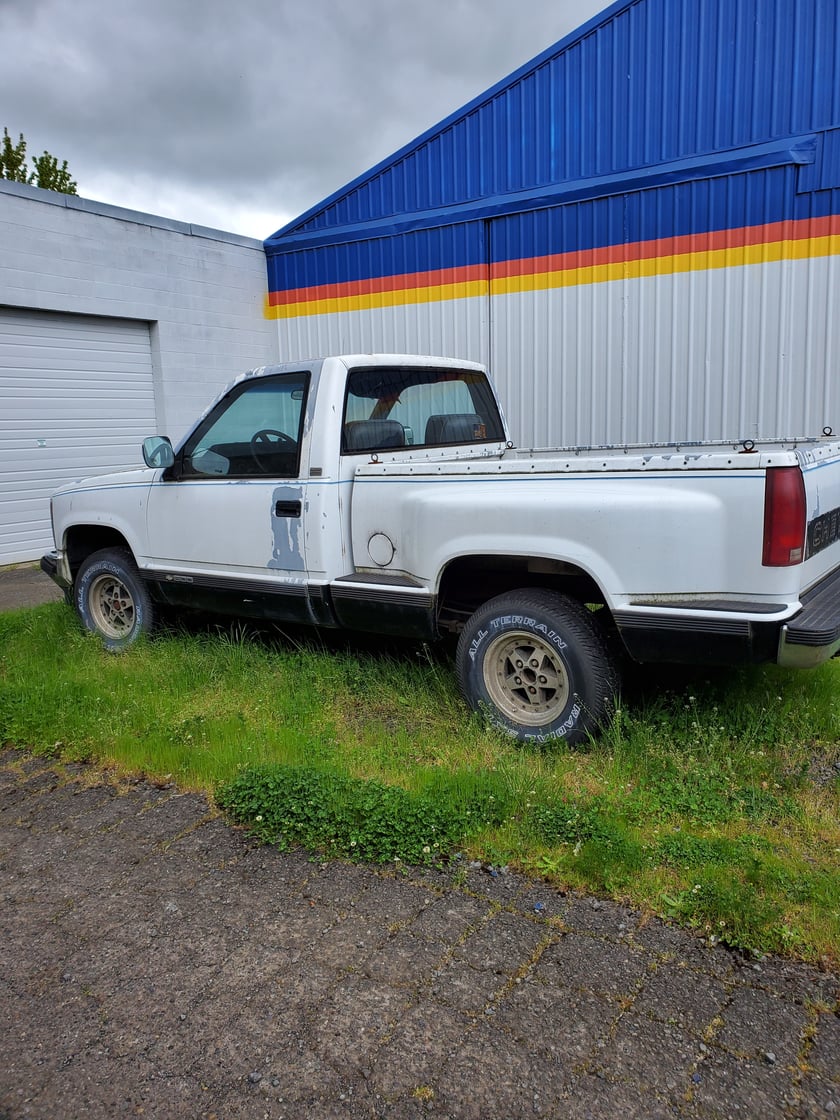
x: 111, y: 598
x: 538, y: 665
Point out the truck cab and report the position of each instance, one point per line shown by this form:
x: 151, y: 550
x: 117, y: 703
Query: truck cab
x: 251, y: 512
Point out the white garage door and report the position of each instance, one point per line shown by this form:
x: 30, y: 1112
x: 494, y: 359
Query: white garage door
x: 76, y: 398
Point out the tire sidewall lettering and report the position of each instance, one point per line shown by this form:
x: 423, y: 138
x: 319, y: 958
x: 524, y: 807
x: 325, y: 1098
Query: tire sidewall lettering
x: 527, y: 735
x: 477, y: 643
x: 497, y: 626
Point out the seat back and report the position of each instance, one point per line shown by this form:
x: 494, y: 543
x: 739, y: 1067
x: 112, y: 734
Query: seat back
x: 456, y: 427
x: 373, y: 435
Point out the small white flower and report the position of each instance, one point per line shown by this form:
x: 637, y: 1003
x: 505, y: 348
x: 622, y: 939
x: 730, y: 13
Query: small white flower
x: 426, y: 849
x: 258, y: 817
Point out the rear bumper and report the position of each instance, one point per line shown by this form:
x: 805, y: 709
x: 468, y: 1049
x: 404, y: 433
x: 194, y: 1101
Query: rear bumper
x: 53, y: 566
x: 813, y: 635
x: 736, y: 634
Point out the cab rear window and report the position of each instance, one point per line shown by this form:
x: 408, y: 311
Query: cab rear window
x: 392, y: 408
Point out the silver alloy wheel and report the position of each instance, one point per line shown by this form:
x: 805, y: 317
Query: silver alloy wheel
x: 526, y: 678
x: 111, y: 606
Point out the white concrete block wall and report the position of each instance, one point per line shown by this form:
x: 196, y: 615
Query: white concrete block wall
x: 202, y: 291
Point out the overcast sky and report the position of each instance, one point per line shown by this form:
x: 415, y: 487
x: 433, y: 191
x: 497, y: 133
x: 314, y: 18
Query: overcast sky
x: 241, y: 115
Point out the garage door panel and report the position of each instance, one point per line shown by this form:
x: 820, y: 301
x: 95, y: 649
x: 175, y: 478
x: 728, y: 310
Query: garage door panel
x: 23, y: 471
x: 74, y: 356
x: 24, y: 439
x: 76, y: 399
x: 73, y: 432
x: 70, y: 346
x: 95, y: 416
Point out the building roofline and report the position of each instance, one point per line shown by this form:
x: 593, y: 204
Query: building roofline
x: 119, y: 213
x: 798, y: 150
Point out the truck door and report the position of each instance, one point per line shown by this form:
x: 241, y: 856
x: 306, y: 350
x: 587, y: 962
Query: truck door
x: 226, y: 522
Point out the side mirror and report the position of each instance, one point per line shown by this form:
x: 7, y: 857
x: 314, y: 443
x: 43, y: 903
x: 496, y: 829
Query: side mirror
x: 157, y: 452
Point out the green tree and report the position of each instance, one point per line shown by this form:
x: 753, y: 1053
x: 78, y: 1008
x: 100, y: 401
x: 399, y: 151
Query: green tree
x: 47, y: 173
x: 50, y: 176
x: 13, y: 159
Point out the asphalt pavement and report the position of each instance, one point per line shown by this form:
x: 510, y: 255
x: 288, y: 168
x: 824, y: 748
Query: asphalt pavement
x: 156, y: 962
x: 25, y: 585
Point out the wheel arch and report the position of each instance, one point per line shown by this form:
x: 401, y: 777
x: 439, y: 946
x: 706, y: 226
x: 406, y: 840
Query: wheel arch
x: 81, y: 541
x: 469, y: 581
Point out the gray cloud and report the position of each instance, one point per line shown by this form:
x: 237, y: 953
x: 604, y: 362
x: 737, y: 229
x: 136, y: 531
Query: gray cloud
x: 271, y: 104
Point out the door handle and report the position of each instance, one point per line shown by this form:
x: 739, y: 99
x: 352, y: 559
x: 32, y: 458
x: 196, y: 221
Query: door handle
x: 287, y: 509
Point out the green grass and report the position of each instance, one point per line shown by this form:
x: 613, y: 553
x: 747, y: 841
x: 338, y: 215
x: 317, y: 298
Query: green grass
x: 713, y: 802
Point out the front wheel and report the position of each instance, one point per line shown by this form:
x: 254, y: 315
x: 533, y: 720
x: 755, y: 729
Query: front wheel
x: 111, y: 598
x: 537, y: 664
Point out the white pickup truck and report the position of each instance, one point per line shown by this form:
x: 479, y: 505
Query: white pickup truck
x: 382, y: 493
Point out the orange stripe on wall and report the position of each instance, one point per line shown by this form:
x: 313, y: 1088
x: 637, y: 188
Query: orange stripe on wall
x: 435, y: 278
x: 774, y: 241
x: 802, y: 230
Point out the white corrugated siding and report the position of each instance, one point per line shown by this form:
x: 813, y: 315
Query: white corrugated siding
x: 76, y: 399
x: 734, y: 353
x: 450, y: 328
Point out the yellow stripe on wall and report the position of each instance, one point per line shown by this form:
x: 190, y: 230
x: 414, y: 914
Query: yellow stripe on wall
x: 734, y: 257
x: 634, y: 269
x: 370, y: 300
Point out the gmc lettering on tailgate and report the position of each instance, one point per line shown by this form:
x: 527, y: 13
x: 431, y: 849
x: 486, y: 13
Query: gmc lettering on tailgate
x: 823, y: 531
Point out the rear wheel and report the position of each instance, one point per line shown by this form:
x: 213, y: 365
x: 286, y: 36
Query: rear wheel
x: 538, y: 665
x: 111, y: 598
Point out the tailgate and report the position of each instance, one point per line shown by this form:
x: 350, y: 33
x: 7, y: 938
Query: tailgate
x: 821, y: 472
x: 813, y: 635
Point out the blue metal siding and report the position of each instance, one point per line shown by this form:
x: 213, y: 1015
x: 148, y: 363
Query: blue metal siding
x: 642, y: 212
x: 451, y: 247
x: 735, y: 208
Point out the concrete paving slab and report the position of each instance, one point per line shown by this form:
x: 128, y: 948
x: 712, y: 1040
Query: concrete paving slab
x: 26, y: 586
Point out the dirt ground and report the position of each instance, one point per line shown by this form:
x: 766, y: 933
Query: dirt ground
x: 155, y: 963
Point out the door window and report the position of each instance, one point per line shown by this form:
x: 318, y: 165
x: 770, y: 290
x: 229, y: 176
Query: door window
x: 253, y: 432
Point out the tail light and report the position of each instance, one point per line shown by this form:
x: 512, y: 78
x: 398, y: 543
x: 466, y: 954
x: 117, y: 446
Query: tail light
x: 784, y: 518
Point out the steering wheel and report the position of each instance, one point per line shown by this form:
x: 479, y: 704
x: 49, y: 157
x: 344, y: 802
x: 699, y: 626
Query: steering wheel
x: 265, y: 441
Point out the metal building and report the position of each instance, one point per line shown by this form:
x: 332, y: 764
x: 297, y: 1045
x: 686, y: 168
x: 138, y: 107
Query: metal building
x: 638, y: 231
x: 113, y: 325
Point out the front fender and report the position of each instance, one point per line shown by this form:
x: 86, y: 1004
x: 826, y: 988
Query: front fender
x: 114, y: 504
